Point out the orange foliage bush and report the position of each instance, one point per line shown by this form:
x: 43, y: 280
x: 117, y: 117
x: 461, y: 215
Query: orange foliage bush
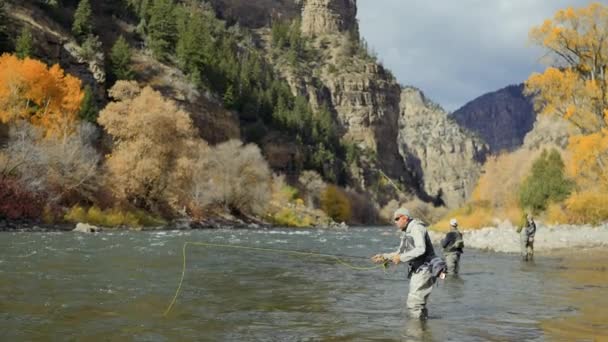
x: 587, y: 207
x: 43, y: 95
x: 589, y: 160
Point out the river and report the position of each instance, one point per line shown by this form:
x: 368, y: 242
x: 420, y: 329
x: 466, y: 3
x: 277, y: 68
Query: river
x: 116, y: 286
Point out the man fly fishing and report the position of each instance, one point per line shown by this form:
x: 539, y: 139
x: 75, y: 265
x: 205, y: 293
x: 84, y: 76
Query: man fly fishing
x: 415, y: 249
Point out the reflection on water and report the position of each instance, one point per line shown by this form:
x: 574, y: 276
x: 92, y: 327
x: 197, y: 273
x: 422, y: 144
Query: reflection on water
x: 586, y: 318
x: 115, y: 286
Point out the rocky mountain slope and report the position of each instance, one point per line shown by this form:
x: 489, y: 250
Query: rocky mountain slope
x: 402, y: 145
x: 502, y: 118
x: 415, y: 142
x: 445, y: 157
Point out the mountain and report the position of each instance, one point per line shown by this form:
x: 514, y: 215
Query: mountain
x: 501, y: 118
x: 363, y: 130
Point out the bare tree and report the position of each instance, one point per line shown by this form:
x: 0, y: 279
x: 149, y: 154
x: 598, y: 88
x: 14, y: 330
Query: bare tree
x: 313, y: 185
x: 60, y: 166
x: 233, y: 175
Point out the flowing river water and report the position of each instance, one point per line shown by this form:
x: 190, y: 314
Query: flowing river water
x: 116, y: 286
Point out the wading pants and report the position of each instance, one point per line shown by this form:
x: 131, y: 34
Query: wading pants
x: 421, y: 285
x: 527, y: 247
x: 452, y: 259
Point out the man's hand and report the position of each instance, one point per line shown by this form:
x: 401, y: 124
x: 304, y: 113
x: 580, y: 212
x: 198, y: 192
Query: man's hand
x: 378, y: 259
x: 396, y: 259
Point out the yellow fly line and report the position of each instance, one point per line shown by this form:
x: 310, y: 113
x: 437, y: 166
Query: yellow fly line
x: 300, y: 253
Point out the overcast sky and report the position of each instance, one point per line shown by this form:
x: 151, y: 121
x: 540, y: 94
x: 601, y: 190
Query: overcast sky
x: 456, y: 51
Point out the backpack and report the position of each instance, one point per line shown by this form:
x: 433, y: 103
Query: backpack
x: 437, y: 266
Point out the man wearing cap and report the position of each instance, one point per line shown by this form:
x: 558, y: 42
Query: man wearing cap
x: 452, y: 245
x: 417, y: 250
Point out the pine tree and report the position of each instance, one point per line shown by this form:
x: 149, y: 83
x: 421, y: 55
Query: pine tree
x: 82, y: 26
x: 120, y: 60
x: 24, y: 46
x: 546, y: 183
x: 91, y: 48
x: 194, y: 44
x: 88, y: 108
x: 229, y: 100
x: 4, y: 35
x: 162, y: 28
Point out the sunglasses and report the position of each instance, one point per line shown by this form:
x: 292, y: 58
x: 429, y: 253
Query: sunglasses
x: 398, y: 218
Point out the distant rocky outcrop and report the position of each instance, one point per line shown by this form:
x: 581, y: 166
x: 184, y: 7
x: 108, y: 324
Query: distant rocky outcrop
x: 446, y: 159
x: 256, y: 13
x: 366, y: 100
x: 329, y: 16
x: 502, y: 118
x: 547, y: 131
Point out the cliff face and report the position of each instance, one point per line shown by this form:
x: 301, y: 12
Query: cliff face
x: 328, y: 16
x: 414, y: 141
x: 502, y: 118
x: 367, y: 107
x: 549, y: 131
x: 445, y: 159
x: 256, y: 13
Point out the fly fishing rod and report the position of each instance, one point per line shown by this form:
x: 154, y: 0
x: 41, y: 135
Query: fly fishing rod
x: 336, y: 257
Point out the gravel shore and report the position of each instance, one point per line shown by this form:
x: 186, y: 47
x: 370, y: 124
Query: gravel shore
x: 505, y: 238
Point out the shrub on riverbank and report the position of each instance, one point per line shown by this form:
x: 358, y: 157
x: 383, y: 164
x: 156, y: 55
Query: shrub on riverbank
x: 112, y: 217
x: 16, y: 202
x: 336, y: 204
x: 590, y: 206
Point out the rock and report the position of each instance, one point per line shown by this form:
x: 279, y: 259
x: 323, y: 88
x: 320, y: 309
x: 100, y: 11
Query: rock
x: 86, y: 228
x: 328, y: 16
x: 548, y: 131
x: 181, y: 224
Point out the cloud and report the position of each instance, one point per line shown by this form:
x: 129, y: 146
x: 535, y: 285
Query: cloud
x: 456, y: 50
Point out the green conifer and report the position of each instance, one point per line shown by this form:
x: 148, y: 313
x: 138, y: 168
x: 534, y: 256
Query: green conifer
x: 83, y: 26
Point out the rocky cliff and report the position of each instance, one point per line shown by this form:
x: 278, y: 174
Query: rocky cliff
x: 502, y: 118
x: 256, y: 13
x: 413, y: 141
x: 445, y: 158
x: 366, y: 100
x: 329, y: 16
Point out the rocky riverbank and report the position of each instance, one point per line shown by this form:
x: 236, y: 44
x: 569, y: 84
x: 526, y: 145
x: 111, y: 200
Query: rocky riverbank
x: 178, y: 224
x: 505, y: 238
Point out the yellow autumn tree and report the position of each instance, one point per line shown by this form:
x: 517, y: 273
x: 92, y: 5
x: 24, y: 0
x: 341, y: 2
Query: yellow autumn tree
x: 575, y: 88
x: 154, y: 143
x: 575, y: 85
x: 42, y: 95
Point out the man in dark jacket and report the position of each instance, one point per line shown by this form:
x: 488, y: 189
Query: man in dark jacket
x: 452, y: 245
x: 417, y: 250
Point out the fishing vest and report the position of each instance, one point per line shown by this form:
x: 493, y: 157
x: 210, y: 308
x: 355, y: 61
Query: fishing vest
x: 453, y: 242
x: 429, y: 251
